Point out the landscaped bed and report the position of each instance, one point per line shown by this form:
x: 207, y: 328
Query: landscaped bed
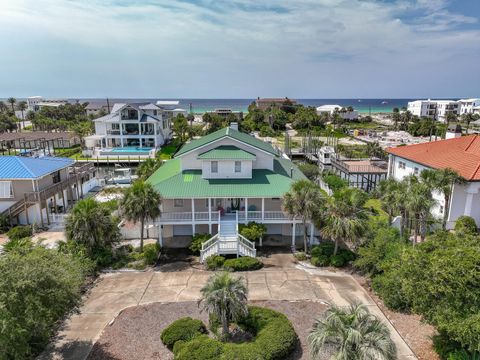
x: 135, y: 334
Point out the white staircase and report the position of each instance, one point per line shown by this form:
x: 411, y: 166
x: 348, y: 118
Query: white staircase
x: 227, y: 241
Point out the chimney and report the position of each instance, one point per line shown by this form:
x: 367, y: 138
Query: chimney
x: 234, y: 125
x: 453, y: 131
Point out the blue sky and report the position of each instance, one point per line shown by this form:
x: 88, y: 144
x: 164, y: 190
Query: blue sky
x: 240, y: 48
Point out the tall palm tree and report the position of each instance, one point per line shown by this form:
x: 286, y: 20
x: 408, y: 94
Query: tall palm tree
x: 419, y: 202
x: 468, y: 118
x: 396, y: 117
x: 3, y: 107
x: 141, y: 202
x: 225, y: 296
x: 442, y: 180
x: 91, y: 224
x: 406, y: 118
x: 303, y: 201
x: 345, y: 216
x: 351, y: 334
x: 12, y: 101
x: 22, y: 106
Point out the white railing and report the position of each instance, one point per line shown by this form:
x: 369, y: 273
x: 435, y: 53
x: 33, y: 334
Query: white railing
x: 257, y: 215
x: 58, y: 219
x: 188, y: 217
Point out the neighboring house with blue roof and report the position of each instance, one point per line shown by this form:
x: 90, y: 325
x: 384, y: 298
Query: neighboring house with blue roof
x: 131, y: 129
x: 36, y: 190
x: 219, y: 181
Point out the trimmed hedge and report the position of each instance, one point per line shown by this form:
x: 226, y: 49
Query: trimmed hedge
x: 274, y: 339
x: 244, y: 263
x: 182, y: 329
x: 215, y: 262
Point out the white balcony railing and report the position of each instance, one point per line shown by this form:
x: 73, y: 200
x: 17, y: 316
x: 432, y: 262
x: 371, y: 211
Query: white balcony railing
x: 188, y: 217
x: 257, y: 215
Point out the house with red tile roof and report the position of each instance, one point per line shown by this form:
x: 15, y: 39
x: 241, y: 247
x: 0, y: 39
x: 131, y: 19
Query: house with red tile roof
x: 461, y: 154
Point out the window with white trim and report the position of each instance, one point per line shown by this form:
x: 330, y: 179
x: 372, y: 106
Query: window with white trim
x: 214, y: 167
x: 415, y: 171
x: 401, y: 165
x: 178, y: 202
x: 6, y: 190
x: 238, y: 166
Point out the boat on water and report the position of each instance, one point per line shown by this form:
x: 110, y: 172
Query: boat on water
x: 384, y: 102
x: 122, y: 176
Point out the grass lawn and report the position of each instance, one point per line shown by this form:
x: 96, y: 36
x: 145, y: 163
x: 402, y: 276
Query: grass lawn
x: 167, y: 151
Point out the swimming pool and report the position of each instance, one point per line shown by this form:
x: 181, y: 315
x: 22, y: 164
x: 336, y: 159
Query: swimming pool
x: 131, y: 149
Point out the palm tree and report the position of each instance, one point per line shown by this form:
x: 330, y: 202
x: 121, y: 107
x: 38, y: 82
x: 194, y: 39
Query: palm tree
x: 12, y: 101
x: 148, y: 167
x: 3, y: 107
x: 22, y: 106
x: 345, y: 216
x: 392, y: 196
x: 406, y: 118
x: 351, y: 334
x: 443, y: 181
x: 449, y: 117
x: 303, y: 201
x: 396, y: 117
x: 468, y: 118
x: 225, y: 297
x: 419, y: 202
x: 91, y: 224
x: 141, y: 202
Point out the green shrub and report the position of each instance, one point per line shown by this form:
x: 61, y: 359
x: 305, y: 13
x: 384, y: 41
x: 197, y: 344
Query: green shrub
x: 321, y: 260
x: 337, y: 261
x: 215, y: 262
x: 150, y: 253
x: 197, y: 241
x: 200, y: 348
x: 300, y: 256
x: 325, y: 248
x: 245, y: 351
x: 465, y: 225
x: 19, y: 232
x: 346, y: 254
x: 19, y: 245
x: 178, y: 346
x: 244, y: 263
x: 387, y: 286
x: 182, y: 329
x: 4, y: 224
x: 253, y: 231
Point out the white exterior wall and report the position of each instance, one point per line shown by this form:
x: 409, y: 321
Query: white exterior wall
x: 226, y: 170
x: 421, y: 108
x: 263, y: 160
x: 458, y: 202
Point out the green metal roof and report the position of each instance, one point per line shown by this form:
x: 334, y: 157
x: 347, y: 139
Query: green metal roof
x: 227, y: 152
x: 172, y: 183
x: 227, y: 132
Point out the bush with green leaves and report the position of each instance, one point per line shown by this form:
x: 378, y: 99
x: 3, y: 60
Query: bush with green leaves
x: 274, y: 338
x: 37, y: 289
x: 19, y: 245
x: 197, y: 241
x: 334, y: 182
x: 4, y: 223
x: 322, y: 260
x: 182, y: 329
x: 215, y: 262
x: 300, y: 256
x: 150, y: 253
x: 466, y: 225
x: 243, y: 263
x: 20, y: 232
x: 253, y: 231
x: 322, y: 255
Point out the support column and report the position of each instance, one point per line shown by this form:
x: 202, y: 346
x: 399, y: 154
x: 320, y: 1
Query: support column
x: 311, y: 233
x: 160, y: 235
x: 293, y: 235
x: 263, y: 209
x: 193, y: 216
x: 209, y: 215
x: 246, y: 210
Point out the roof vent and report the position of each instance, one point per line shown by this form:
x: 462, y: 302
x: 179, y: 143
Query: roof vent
x: 291, y: 172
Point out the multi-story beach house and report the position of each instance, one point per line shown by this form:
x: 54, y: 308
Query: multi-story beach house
x: 423, y: 108
x: 342, y: 111
x: 41, y: 190
x: 461, y: 154
x: 219, y: 181
x: 469, y: 106
x: 438, y: 109
x: 137, y: 129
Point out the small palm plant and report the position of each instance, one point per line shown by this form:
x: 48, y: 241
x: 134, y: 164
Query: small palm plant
x: 225, y: 297
x: 351, y: 334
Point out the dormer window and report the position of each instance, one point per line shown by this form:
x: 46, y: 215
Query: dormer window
x: 238, y: 166
x: 214, y: 167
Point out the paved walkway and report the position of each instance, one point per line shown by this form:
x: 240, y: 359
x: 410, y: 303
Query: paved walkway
x: 177, y: 282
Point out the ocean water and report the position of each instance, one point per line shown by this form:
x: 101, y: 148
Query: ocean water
x: 363, y: 106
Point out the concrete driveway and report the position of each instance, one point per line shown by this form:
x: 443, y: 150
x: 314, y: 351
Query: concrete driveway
x: 178, y: 282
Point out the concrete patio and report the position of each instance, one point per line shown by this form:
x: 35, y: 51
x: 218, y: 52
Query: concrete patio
x: 178, y: 282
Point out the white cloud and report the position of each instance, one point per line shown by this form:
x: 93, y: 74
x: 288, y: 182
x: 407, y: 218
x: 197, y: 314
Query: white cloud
x: 200, y: 48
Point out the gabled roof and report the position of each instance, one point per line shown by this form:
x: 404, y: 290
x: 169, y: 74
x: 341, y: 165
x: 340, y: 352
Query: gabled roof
x: 146, y: 118
x: 460, y: 154
x: 18, y: 167
x: 173, y: 183
x: 230, y: 133
x: 227, y: 152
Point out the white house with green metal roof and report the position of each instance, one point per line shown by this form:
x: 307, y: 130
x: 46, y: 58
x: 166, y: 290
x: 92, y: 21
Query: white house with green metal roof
x: 219, y: 181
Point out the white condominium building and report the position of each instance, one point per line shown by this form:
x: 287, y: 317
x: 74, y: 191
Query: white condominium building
x: 438, y: 109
